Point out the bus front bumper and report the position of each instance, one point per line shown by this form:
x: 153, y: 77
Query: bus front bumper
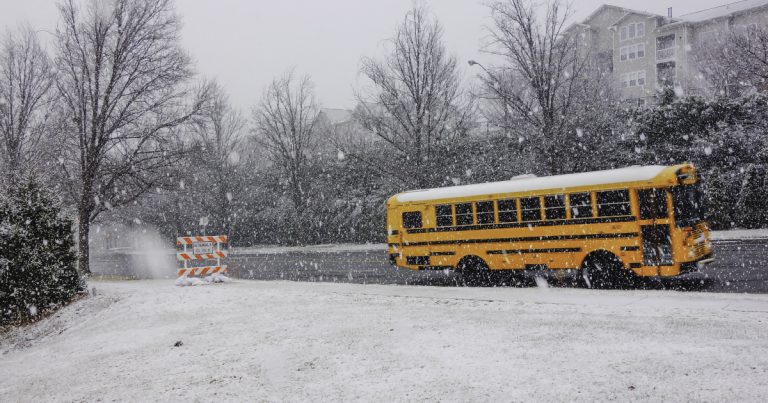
x: 692, y: 271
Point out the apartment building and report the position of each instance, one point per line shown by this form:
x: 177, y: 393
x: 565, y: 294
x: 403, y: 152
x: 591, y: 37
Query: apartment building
x: 647, y: 51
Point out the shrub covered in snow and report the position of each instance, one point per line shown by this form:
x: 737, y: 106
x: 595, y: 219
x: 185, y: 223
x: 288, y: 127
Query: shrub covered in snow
x: 37, y: 258
x: 726, y: 138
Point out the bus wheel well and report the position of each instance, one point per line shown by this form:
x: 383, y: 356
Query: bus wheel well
x: 600, y: 256
x: 472, y: 263
x: 603, y: 269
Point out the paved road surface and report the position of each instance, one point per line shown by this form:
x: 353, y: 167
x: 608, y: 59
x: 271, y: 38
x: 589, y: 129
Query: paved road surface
x: 740, y: 266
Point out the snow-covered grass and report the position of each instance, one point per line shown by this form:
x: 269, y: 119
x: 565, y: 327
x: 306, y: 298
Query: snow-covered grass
x: 740, y: 234
x: 285, y: 341
x: 324, y: 248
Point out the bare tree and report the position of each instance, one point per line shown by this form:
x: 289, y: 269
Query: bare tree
x: 123, y: 78
x: 736, y: 61
x: 542, y: 65
x: 219, y: 135
x: 416, y: 103
x: 26, y: 78
x: 751, y: 55
x: 284, y: 125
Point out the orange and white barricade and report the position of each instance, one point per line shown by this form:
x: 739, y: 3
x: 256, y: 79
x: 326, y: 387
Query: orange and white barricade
x: 202, y: 248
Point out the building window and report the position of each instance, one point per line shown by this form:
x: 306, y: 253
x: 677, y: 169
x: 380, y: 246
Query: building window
x: 665, y: 47
x: 507, y: 210
x: 752, y: 31
x: 444, y: 215
x: 412, y: 219
x: 632, y: 52
x: 581, y: 205
x: 631, y: 31
x: 554, y: 207
x: 633, y: 79
x: 464, y: 214
x: 613, y: 203
x: 530, y: 208
x: 665, y: 73
x: 605, y: 61
x: 484, y: 210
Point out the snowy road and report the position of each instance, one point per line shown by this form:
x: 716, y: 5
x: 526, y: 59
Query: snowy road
x: 290, y: 341
x: 741, y: 265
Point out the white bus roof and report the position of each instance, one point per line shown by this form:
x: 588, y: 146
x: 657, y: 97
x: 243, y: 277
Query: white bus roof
x: 629, y: 174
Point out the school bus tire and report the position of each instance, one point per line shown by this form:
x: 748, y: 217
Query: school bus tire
x: 473, y: 270
x: 603, y: 269
x: 472, y: 264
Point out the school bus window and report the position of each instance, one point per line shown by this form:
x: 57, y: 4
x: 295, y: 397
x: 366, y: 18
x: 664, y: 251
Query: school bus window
x: 412, y: 219
x: 581, y: 205
x: 530, y: 209
x: 484, y: 211
x: 444, y: 215
x: 507, y: 210
x: 689, y: 205
x: 464, y: 214
x: 613, y: 203
x: 653, y: 203
x: 554, y: 207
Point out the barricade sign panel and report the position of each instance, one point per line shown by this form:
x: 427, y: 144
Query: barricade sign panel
x: 201, y: 248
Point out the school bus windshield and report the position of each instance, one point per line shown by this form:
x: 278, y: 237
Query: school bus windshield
x: 689, y: 205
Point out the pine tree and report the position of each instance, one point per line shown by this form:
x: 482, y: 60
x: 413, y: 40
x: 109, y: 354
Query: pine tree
x: 37, y: 257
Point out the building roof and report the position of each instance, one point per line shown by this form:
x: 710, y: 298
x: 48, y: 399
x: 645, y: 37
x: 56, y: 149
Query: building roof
x: 624, y: 9
x: 336, y: 116
x: 722, y: 11
x: 694, y: 17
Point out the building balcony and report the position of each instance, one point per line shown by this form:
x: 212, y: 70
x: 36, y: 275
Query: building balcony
x: 665, y: 54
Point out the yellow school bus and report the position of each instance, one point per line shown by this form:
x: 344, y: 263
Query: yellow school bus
x: 603, y: 227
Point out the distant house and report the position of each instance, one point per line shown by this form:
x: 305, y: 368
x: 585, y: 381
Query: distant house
x: 334, y: 116
x: 646, y: 51
x: 337, y: 129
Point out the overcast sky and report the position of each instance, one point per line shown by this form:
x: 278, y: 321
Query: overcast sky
x: 244, y: 43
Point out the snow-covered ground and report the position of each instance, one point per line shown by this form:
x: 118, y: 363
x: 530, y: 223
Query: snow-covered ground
x: 324, y: 248
x: 739, y: 234
x: 285, y: 341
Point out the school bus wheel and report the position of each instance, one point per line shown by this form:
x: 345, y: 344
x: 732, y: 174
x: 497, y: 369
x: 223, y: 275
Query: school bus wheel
x: 603, y: 269
x: 472, y: 264
x: 473, y: 270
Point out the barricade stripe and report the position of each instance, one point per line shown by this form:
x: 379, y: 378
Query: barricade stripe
x: 209, y: 256
x: 203, y: 270
x: 188, y: 240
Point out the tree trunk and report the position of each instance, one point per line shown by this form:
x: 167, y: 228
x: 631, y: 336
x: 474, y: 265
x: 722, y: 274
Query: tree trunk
x: 83, y: 248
